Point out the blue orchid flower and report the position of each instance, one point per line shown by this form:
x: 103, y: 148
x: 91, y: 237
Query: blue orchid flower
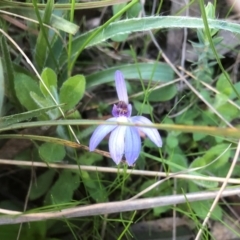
x: 124, y: 140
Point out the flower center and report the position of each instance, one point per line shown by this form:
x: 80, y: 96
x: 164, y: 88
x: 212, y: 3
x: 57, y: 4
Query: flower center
x: 122, y: 109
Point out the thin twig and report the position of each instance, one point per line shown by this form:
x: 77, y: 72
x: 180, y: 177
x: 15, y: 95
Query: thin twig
x: 118, y: 171
x: 116, y: 207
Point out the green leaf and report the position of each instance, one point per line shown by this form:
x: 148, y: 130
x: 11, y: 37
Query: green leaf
x: 9, y: 231
x: 148, y: 143
x: 120, y: 38
x: 206, y: 95
x: 94, y: 186
x: 201, y: 208
x: 28, y: 232
x: 188, y: 116
x: 43, y: 183
x: 229, y: 111
x: 142, y: 107
x: 198, y: 136
x: 202, y: 183
x: 237, y: 87
x: 52, y: 152
x: 145, y: 24
x: 63, y: 189
x: 163, y: 94
x: 162, y: 189
x: 24, y: 84
x: 40, y: 100
x: 210, y: 10
x: 89, y: 158
x: 172, y: 140
x: 53, y: 57
x: 223, y: 86
x: 72, y: 91
x: 44, y: 102
x: 49, y: 77
x: 118, y: 7
x: 134, y: 10
x: 34, y: 229
x: 220, y: 100
x: 178, y: 159
x: 156, y: 72
x: 48, y: 11
x: 213, y: 155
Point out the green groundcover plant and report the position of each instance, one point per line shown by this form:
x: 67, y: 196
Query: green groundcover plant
x: 79, y: 161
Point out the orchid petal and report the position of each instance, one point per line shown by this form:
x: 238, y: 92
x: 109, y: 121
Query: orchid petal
x: 132, y: 145
x: 116, y: 143
x: 129, y: 110
x: 115, y: 110
x: 152, y: 133
x: 99, y: 133
x: 121, y: 87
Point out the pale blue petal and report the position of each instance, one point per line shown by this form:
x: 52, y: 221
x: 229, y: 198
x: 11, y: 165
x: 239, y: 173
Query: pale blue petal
x: 121, y: 87
x: 116, y: 143
x: 99, y: 133
x: 129, y: 110
x: 132, y: 145
x: 152, y: 133
x: 115, y: 111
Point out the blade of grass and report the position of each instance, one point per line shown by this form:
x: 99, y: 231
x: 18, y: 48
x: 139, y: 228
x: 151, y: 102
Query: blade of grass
x: 215, y: 131
x: 35, y: 21
x: 16, y: 118
x: 55, y: 22
x: 70, y: 35
x: 43, y: 46
x: 41, y: 138
x: 62, y: 6
x: 9, y: 73
x: 2, y: 87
